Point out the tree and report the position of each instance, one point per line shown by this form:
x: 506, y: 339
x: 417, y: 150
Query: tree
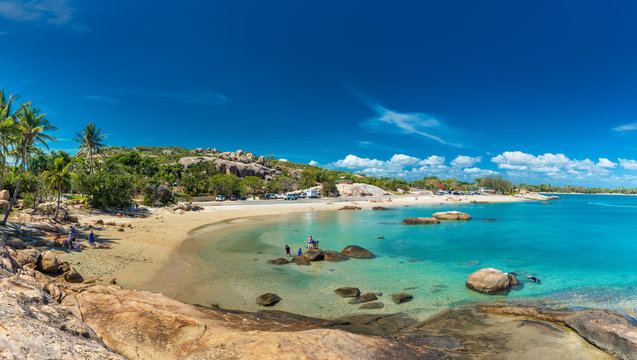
x: 58, y: 179
x: 7, y: 130
x: 224, y: 184
x: 497, y: 183
x: 252, y: 184
x: 90, y: 140
x: 31, y: 127
x: 329, y: 189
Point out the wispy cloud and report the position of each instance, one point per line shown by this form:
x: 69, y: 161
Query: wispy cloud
x: 627, y: 127
x: 56, y: 12
x: 419, y: 124
x: 188, y: 96
x: 101, y: 98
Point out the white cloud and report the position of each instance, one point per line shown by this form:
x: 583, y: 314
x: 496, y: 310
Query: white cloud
x: 517, y: 160
x: 399, y: 165
x: 627, y: 127
x: 56, y: 12
x: 284, y: 160
x: 605, y: 163
x: 628, y: 164
x: 474, y: 171
x: 465, y: 161
x: 355, y: 163
x: 313, y: 163
x: 408, y: 123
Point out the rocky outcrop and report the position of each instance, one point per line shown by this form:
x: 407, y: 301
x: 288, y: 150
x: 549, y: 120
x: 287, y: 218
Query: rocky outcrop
x: 607, y: 330
x: 300, y: 260
x: 451, y: 215
x: 355, y: 251
x: 73, y: 276
x: 380, y: 208
x: 4, y: 195
x: 314, y: 255
x: 401, y: 298
x: 4, y: 204
x: 27, y: 256
x: 420, y: 221
x: 268, y: 299
x: 347, y: 292
x: 231, y: 167
x: 488, y: 281
x: 48, y: 263
x: 330, y: 255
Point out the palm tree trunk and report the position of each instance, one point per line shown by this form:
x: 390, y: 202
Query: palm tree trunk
x: 58, y: 207
x: 4, y: 162
x: 17, y: 188
x: 90, y: 151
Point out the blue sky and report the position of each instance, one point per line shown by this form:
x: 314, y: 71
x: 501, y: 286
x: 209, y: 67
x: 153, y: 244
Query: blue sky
x: 539, y: 91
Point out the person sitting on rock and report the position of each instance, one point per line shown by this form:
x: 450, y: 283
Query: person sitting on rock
x: 299, y: 253
x: 533, y: 279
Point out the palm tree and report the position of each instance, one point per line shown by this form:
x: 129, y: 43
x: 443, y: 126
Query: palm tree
x: 90, y: 141
x: 58, y: 179
x: 7, y: 130
x: 31, y: 127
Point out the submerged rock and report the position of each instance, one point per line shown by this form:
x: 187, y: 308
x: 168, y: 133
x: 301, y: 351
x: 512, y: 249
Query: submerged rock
x: 372, y: 305
x: 268, y: 299
x: 346, y: 292
x: 379, y: 208
x: 350, y: 207
x: 355, y: 251
x: 300, y: 260
x: 488, y: 281
x: 401, y: 298
x: 367, y: 297
x: 278, y: 261
x: 420, y: 221
x: 452, y: 215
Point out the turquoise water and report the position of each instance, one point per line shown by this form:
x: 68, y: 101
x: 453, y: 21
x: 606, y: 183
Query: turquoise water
x: 582, y: 247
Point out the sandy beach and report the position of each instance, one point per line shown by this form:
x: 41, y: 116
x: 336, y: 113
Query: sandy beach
x: 147, y: 247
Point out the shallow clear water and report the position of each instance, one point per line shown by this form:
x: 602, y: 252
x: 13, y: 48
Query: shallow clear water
x: 582, y: 248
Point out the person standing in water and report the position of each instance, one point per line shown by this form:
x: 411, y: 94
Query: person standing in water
x: 287, y: 250
x: 309, y: 242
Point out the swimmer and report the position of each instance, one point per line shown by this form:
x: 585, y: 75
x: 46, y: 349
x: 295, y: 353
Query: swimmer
x: 533, y: 279
x: 381, y: 237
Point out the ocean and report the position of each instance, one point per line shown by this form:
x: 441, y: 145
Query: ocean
x: 582, y: 247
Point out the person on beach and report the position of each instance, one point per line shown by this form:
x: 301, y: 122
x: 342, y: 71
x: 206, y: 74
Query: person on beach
x: 69, y: 242
x: 299, y: 253
x: 287, y: 250
x: 91, y: 238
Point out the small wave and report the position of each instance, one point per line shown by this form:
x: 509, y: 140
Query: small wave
x: 605, y: 204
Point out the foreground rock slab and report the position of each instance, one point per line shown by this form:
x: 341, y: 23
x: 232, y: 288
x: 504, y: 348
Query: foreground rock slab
x: 489, y: 281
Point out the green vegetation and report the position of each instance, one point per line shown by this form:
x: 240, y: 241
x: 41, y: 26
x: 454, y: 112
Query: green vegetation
x: 109, y: 176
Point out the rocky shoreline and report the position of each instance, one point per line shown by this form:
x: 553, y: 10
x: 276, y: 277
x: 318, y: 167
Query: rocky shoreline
x: 108, y: 322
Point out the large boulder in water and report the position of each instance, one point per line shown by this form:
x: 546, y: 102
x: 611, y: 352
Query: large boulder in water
x: 452, y: 215
x: 314, y: 255
x: 355, y: 251
x: 268, y: 299
x: 346, y: 292
x: 420, y: 221
x: 488, y: 281
x: 330, y: 255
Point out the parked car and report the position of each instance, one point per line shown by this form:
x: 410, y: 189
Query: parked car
x: 289, y: 197
x: 233, y: 197
x: 220, y: 198
x: 264, y: 197
x: 243, y: 197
